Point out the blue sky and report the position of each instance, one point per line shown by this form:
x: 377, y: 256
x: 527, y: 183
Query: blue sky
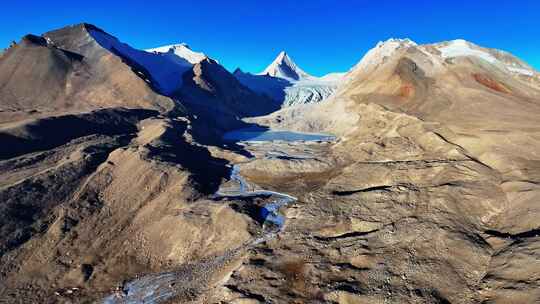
x: 321, y: 36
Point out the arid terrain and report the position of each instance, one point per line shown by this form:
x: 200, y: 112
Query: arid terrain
x: 129, y: 176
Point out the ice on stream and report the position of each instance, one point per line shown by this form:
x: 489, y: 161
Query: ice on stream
x: 148, y: 289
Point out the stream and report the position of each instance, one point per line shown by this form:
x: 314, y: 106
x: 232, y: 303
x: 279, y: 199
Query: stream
x: 157, y: 288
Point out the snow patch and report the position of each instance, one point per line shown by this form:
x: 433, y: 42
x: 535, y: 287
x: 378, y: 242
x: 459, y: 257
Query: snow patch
x: 520, y: 71
x: 460, y: 47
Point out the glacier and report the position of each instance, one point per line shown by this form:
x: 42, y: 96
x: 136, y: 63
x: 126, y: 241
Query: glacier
x: 288, y: 84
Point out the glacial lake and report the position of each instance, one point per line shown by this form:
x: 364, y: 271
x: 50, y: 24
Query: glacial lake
x: 261, y: 135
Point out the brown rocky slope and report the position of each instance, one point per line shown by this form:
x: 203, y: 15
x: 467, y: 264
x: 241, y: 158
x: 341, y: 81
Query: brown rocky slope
x: 399, y: 105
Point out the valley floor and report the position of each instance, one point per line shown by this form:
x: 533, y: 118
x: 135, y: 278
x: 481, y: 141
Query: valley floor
x: 393, y: 214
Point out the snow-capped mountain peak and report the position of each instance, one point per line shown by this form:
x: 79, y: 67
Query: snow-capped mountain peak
x: 284, y: 67
x: 283, y: 58
x: 396, y: 42
x: 382, y: 50
x: 181, y: 50
x: 289, y: 85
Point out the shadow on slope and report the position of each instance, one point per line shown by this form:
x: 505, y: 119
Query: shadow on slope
x: 50, y: 132
x: 273, y: 87
x: 214, y: 93
x: 174, y: 146
x: 27, y: 203
x: 162, y: 72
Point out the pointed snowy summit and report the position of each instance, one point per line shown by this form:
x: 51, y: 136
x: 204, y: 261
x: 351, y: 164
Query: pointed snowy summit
x: 284, y: 67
